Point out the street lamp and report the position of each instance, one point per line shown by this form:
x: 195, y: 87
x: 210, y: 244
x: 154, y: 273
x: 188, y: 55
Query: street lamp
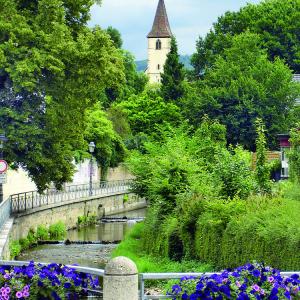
x: 2, y: 140
x: 91, y: 150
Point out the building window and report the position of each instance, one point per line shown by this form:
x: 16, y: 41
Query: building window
x: 158, y: 67
x: 158, y: 45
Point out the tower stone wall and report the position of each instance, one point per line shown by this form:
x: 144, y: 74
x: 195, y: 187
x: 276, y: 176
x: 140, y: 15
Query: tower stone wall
x: 159, y: 43
x: 157, y: 58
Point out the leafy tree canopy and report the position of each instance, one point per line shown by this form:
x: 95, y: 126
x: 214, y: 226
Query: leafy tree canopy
x: 146, y: 111
x: 244, y: 85
x: 115, y: 36
x: 277, y: 23
x: 52, y: 68
x: 110, y: 149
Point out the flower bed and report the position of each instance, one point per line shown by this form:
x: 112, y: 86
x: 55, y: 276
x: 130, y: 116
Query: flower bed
x: 53, y: 281
x: 252, y: 281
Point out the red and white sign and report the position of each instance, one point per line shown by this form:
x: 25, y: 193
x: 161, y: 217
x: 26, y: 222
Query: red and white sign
x: 3, y: 166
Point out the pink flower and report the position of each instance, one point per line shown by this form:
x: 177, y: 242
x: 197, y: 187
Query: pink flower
x: 7, y: 289
x: 238, y: 284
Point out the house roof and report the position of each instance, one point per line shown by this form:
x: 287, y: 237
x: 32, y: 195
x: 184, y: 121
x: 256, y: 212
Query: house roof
x: 161, y: 27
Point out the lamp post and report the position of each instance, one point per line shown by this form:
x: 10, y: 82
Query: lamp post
x: 2, y: 140
x: 91, y: 150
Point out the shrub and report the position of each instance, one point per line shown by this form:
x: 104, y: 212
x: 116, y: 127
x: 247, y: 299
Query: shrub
x: 57, y: 230
x: 86, y: 220
x: 228, y: 236
x: 31, y: 236
x: 14, y: 249
x: 25, y: 244
x: 42, y: 233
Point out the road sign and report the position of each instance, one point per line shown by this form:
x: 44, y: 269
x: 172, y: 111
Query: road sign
x: 3, y: 178
x: 3, y: 166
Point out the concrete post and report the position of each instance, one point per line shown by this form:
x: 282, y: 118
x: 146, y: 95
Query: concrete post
x: 120, y: 280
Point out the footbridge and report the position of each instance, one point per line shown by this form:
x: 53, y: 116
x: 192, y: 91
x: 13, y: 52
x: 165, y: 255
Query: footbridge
x: 24, y: 211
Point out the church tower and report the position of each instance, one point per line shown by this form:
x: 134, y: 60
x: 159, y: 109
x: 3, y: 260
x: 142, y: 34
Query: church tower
x: 159, y: 43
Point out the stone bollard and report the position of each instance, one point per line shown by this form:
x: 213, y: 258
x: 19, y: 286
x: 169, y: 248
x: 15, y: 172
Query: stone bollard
x: 120, y: 280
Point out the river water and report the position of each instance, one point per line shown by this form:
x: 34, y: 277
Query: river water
x: 89, y: 255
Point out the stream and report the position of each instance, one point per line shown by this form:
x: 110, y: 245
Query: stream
x: 89, y: 255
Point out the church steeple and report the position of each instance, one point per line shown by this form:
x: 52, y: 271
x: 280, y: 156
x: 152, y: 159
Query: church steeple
x: 161, y: 27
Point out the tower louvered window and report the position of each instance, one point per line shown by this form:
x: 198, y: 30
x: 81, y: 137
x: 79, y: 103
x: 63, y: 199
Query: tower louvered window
x: 158, y: 44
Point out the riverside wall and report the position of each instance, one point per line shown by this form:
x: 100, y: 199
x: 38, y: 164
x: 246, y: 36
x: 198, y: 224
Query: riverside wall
x: 68, y: 212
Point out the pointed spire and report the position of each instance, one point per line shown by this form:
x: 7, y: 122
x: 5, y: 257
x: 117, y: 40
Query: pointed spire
x: 161, y: 27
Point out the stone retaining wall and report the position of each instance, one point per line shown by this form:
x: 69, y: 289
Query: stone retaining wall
x: 68, y: 212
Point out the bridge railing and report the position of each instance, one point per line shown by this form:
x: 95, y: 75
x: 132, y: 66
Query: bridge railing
x: 29, y: 200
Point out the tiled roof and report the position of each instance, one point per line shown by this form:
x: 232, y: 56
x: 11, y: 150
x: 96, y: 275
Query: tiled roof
x: 161, y: 27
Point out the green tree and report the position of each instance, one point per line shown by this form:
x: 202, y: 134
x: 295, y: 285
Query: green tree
x: 115, y: 36
x: 172, y: 87
x: 244, y: 85
x: 145, y: 112
x: 110, y: 149
x: 262, y: 170
x: 52, y: 68
x: 275, y: 21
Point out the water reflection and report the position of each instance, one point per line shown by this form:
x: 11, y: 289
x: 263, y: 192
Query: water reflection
x: 90, y: 255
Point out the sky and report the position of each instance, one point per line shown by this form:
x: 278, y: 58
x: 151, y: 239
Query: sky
x: 188, y: 19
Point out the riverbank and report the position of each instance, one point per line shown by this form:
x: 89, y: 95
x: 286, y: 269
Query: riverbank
x: 132, y: 248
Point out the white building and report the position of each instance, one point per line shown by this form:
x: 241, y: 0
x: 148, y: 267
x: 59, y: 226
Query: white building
x: 159, y: 43
x: 296, y: 78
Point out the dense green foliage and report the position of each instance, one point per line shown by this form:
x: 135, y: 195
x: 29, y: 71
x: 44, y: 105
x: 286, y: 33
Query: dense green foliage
x: 148, y: 110
x: 205, y: 201
x: 241, y: 86
x: 132, y: 247
x: 52, y: 68
x: 275, y: 21
x: 110, y: 149
x: 262, y: 171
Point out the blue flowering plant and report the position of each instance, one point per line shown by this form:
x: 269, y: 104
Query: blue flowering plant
x: 252, y: 281
x: 36, y: 281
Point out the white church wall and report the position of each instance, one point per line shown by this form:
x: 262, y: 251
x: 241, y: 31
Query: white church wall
x: 157, y: 57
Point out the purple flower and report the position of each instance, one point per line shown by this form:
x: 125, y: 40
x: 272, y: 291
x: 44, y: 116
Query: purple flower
x: 255, y: 287
x: 26, y: 294
x: 19, y: 294
x: 271, y: 279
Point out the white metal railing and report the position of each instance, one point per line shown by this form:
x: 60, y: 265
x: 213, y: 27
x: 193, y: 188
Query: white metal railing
x: 85, y: 270
x: 169, y: 276
x: 29, y: 200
